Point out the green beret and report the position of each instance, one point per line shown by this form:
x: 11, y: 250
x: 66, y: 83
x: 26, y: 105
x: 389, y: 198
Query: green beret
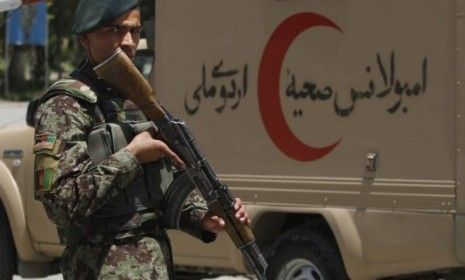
x: 91, y: 14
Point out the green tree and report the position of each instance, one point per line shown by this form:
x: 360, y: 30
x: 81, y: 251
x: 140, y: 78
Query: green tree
x: 64, y: 48
x: 63, y: 44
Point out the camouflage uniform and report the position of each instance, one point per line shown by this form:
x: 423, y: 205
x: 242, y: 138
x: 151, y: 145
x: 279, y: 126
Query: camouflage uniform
x: 74, y: 187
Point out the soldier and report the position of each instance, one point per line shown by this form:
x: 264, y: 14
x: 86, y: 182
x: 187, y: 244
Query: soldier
x: 99, y: 173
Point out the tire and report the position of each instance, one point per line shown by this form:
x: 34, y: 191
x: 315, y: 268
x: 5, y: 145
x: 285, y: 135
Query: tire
x: 7, y: 248
x: 305, y: 254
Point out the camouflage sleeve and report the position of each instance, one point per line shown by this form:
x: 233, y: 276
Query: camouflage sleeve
x: 68, y: 183
x: 192, y: 214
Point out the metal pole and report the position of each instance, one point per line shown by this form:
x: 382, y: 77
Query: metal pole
x: 7, y: 78
x: 46, y: 43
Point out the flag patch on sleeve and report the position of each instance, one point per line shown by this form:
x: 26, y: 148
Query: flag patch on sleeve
x: 48, y: 143
x: 45, y: 141
x: 44, y: 179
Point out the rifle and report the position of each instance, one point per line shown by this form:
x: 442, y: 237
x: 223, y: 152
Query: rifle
x: 121, y: 74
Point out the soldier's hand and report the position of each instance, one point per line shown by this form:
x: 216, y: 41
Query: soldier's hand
x: 147, y: 149
x: 212, y: 223
x: 241, y: 214
x: 216, y: 224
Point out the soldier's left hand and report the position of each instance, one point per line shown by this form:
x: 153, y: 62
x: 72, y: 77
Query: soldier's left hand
x: 216, y: 224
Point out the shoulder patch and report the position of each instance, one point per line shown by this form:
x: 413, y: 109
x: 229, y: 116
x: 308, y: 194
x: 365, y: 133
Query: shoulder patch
x: 47, y: 149
x: 47, y: 142
x: 74, y: 88
x: 44, y: 180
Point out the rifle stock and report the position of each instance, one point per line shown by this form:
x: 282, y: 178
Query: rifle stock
x: 120, y: 73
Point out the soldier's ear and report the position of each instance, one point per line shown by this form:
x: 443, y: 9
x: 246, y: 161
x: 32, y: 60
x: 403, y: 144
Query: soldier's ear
x: 84, y: 40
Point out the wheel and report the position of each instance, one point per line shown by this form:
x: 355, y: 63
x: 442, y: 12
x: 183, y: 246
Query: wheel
x: 7, y: 248
x: 305, y: 254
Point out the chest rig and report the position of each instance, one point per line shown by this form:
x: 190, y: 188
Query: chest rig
x: 116, y: 123
x: 141, y: 199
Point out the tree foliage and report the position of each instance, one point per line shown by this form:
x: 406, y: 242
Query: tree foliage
x: 64, y: 48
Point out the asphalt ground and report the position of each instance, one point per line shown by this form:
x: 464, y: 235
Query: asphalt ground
x: 12, y: 113
x: 59, y: 277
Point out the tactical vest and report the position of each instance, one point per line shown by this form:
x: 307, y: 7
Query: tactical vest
x: 138, y: 203
x: 144, y: 195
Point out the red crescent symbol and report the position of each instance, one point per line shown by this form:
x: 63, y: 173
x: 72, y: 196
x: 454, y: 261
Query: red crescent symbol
x: 268, y: 86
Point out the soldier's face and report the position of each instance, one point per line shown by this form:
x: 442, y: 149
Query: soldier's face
x: 124, y: 33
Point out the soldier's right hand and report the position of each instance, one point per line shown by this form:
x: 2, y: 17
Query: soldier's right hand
x: 147, y: 149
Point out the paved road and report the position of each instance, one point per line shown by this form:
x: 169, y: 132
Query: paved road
x: 12, y: 113
x: 59, y: 277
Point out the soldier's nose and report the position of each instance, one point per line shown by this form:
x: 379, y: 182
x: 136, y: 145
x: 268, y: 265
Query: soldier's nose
x: 128, y: 40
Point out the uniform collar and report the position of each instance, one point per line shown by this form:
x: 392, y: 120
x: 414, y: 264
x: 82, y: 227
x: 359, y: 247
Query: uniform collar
x: 85, y: 73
